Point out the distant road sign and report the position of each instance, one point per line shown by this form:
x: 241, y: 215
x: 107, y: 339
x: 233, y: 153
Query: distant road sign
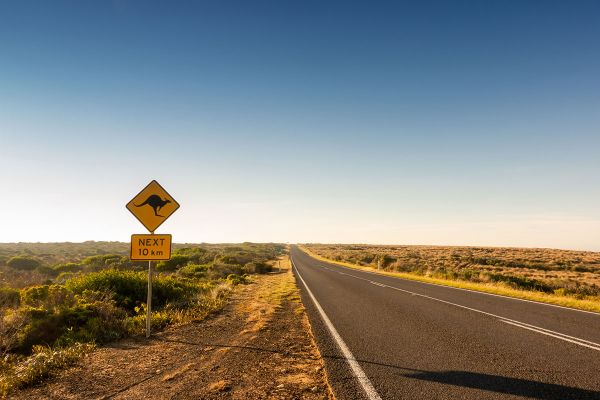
x: 152, y: 206
x: 150, y: 247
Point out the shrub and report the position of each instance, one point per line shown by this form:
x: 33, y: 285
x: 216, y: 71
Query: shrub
x: 176, y: 261
x: 9, y: 298
x: 47, y: 296
x: 237, y: 279
x: 560, y: 292
x: 234, y: 259
x: 68, y: 267
x: 47, y: 326
x: 63, y: 277
x: 219, y: 270
x: 11, y: 326
x: 43, y: 362
x: 196, y: 255
x: 130, y: 287
x: 137, y: 324
x: 194, y: 270
x: 45, y: 270
x: 23, y: 263
x: 255, y: 267
x: 105, y: 322
x: 173, y: 290
x: 91, y: 317
x: 102, y: 260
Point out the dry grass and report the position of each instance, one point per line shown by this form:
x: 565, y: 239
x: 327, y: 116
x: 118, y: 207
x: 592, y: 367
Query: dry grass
x: 103, y: 298
x: 220, y: 386
x: 270, y: 298
x: 43, y: 362
x: 561, y: 277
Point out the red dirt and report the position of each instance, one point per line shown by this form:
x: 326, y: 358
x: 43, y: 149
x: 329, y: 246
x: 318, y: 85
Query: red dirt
x: 258, y: 347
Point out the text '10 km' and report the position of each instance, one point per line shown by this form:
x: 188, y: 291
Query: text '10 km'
x: 150, y: 247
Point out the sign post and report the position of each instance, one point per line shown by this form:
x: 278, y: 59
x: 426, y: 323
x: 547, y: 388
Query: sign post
x: 152, y: 206
x: 149, y: 300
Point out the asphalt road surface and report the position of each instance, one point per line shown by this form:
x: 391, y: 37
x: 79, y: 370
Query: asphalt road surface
x: 389, y: 338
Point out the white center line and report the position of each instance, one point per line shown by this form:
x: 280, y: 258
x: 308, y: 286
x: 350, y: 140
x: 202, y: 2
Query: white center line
x: 379, y: 274
x: 557, y: 335
x: 523, y: 325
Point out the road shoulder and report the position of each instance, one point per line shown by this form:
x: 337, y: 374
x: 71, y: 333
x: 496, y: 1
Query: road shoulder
x: 259, y: 346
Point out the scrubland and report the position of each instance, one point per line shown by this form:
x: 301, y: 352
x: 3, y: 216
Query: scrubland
x: 58, y: 300
x: 565, y: 277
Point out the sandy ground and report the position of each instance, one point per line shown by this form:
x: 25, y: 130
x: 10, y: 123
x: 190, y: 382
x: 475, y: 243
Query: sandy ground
x: 258, y: 347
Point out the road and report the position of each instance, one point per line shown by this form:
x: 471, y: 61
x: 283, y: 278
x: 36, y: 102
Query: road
x: 389, y: 338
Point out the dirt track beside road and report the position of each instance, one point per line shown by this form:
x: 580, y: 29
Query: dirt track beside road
x: 258, y: 347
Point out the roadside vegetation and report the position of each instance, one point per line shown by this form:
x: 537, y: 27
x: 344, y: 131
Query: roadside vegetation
x: 562, y: 277
x: 57, y: 301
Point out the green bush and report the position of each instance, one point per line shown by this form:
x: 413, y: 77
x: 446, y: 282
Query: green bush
x: 102, y: 260
x: 47, y: 296
x: 237, y: 279
x: 43, y: 362
x: 105, y: 322
x: 256, y: 267
x: 173, y: 290
x: 194, y: 270
x: 9, y: 298
x: 63, y: 277
x: 68, y: 267
x: 33, y: 295
x: 47, y: 326
x: 23, y: 263
x: 90, y: 317
x: 176, y: 262
x: 218, y: 270
x: 196, y: 255
x: 130, y: 287
x: 45, y: 270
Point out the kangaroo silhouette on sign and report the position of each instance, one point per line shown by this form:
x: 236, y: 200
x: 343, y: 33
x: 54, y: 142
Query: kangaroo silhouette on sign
x: 155, y: 202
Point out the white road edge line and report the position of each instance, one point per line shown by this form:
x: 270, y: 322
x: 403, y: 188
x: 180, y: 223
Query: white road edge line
x: 544, y: 331
x: 456, y: 288
x: 362, y: 378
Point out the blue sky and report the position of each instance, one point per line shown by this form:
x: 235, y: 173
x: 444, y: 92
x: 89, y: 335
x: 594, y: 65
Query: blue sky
x: 467, y: 123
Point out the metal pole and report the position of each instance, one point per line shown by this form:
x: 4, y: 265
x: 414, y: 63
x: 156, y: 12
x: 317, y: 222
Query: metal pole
x: 149, y: 300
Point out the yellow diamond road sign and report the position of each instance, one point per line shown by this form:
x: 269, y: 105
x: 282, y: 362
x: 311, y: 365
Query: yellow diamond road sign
x: 152, y: 206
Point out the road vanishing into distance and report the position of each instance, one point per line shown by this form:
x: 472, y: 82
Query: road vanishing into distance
x: 389, y: 338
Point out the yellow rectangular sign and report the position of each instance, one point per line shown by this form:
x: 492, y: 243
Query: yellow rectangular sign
x: 150, y: 247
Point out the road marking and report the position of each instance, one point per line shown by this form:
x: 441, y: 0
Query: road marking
x: 523, y: 325
x: 457, y: 288
x: 362, y: 378
x: 557, y: 335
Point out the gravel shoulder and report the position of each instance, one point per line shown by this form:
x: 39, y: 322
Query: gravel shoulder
x: 258, y: 347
